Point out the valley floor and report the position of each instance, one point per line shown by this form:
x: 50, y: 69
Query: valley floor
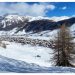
x: 31, y: 54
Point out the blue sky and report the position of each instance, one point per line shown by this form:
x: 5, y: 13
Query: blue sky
x: 48, y: 9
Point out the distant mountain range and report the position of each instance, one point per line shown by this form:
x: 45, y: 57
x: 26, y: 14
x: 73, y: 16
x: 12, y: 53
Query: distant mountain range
x: 15, y: 23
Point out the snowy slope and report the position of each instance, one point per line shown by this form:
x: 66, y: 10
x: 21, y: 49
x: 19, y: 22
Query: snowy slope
x: 10, y: 23
x: 27, y: 53
x: 59, y: 18
x: 12, y: 65
x: 22, y: 59
x: 44, y: 35
x: 12, y: 19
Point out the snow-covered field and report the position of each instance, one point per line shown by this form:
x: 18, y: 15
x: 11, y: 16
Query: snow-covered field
x: 23, y: 59
x: 12, y: 65
x: 27, y: 53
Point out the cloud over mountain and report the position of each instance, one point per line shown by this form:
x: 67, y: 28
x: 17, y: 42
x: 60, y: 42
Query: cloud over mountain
x: 36, y: 9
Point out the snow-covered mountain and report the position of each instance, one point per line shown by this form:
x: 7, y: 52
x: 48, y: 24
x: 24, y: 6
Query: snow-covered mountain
x: 17, y: 24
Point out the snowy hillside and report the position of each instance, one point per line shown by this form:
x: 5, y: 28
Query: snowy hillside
x: 23, y: 59
x: 11, y: 65
x: 27, y: 53
x: 14, y: 23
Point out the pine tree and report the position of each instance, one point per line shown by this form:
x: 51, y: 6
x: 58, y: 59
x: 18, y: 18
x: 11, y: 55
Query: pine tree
x: 63, y: 47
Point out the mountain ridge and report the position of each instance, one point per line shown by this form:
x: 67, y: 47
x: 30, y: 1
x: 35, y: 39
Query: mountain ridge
x: 31, y: 24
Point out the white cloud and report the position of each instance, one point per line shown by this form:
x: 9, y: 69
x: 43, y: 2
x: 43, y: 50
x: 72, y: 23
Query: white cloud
x: 63, y: 8
x: 52, y: 7
x: 26, y: 9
